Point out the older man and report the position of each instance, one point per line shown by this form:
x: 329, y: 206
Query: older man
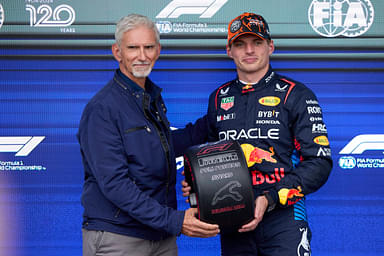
x: 129, y: 196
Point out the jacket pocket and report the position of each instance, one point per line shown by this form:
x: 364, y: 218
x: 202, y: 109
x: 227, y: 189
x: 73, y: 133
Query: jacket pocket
x: 134, y: 129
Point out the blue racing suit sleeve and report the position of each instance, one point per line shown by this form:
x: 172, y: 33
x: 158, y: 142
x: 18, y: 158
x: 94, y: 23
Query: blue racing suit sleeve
x: 102, y: 147
x: 311, y: 143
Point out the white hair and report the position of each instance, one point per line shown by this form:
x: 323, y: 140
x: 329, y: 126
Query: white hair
x: 132, y: 21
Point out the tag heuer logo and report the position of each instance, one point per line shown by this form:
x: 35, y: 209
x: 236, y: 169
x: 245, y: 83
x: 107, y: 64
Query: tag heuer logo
x: 227, y: 103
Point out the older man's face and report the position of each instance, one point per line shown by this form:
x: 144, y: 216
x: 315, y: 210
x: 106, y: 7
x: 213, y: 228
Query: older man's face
x: 137, y: 53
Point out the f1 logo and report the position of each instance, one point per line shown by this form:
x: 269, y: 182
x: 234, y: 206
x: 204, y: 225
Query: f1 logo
x: 364, y: 142
x: 213, y: 148
x: 176, y: 8
x: 21, y: 145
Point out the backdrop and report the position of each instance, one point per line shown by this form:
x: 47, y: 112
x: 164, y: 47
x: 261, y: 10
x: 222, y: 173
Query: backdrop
x: 55, y: 55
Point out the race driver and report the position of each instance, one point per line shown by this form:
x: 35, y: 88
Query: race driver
x: 278, y: 122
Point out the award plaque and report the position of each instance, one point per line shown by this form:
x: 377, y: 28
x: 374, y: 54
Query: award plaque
x: 221, y: 185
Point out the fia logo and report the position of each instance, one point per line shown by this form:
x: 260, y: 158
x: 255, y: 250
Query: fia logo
x: 62, y: 16
x: 164, y: 26
x: 332, y: 18
x: 347, y: 162
x: 176, y: 8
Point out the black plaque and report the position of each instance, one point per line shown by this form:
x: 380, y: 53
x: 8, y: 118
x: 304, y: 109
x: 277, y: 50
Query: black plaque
x: 221, y: 184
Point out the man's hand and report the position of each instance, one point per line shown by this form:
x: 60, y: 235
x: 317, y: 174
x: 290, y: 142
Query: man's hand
x: 196, y: 228
x: 260, y: 208
x: 185, y: 188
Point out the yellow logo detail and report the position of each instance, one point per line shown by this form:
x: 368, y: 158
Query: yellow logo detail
x: 269, y: 101
x: 321, y: 140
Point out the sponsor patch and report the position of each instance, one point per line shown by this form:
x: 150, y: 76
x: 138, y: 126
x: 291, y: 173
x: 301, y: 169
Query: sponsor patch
x: 321, y: 140
x: 319, y: 128
x: 225, y: 117
x: 227, y: 103
x: 270, y: 101
x: 279, y: 88
x: 224, y: 92
x: 257, y: 155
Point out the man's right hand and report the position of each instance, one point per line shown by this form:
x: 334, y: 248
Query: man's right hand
x: 196, y: 228
x: 185, y: 188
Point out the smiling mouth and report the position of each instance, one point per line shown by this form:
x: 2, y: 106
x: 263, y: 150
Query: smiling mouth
x: 141, y: 67
x: 141, y: 64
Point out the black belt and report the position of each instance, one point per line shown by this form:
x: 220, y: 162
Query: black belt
x: 221, y: 184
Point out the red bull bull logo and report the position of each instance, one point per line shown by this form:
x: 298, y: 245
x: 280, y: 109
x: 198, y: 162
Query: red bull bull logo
x: 290, y: 196
x: 247, y: 88
x: 257, y: 155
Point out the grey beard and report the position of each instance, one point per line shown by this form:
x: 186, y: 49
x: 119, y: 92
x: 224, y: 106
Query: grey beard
x: 141, y: 74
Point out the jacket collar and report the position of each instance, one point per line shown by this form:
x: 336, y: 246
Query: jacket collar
x: 131, y: 87
x: 267, y: 78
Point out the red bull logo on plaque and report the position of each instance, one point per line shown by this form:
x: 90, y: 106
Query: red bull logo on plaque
x: 227, y: 103
x: 255, y: 155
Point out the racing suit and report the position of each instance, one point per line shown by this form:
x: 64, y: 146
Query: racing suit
x: 276, y: 122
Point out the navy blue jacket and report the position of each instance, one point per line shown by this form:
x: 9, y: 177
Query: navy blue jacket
x: 129, y: 162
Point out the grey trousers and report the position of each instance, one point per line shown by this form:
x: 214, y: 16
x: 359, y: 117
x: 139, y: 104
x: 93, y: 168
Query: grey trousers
x: 102, y: 243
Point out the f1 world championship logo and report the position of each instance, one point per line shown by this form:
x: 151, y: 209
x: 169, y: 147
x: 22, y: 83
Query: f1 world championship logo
x: 332, y: 18
x: 206, y: 8
x: 357, y: 146
x: 23, y: 146
x: 364, y: 142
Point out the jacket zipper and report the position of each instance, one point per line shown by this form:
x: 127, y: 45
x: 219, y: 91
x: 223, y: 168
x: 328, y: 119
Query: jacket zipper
x: 137, y: 129
x: 162, y: 136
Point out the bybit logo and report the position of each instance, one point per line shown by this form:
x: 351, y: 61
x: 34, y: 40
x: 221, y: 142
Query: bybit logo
x: 332, y: 18
x: 176, y: 8
x: 21, y: 145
